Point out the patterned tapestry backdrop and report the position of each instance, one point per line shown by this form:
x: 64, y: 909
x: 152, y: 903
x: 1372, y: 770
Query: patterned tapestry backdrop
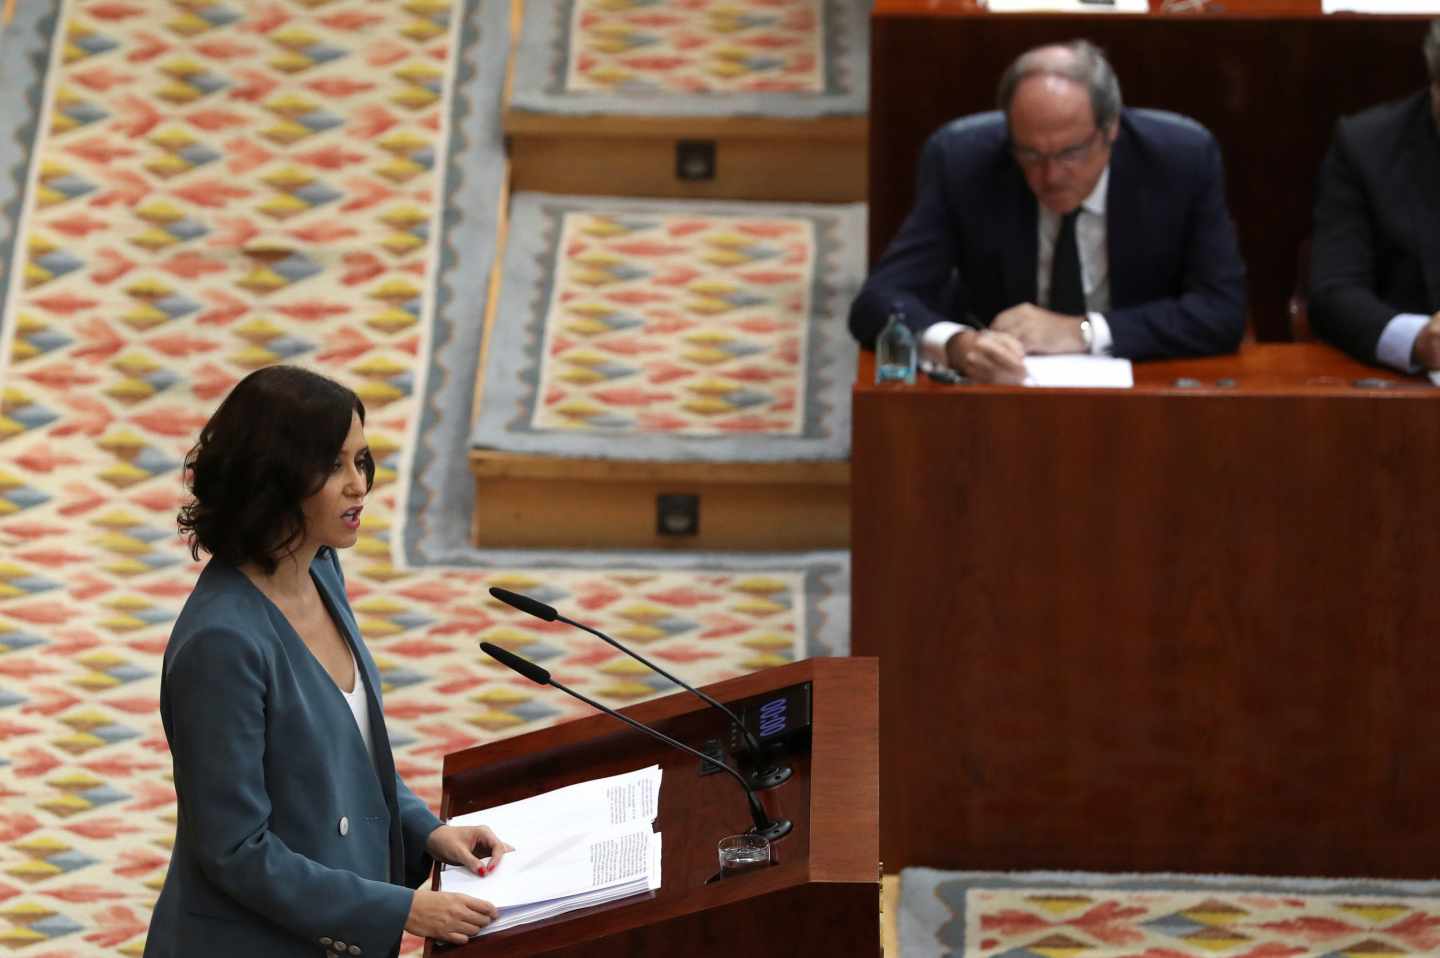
x: 189, y: 190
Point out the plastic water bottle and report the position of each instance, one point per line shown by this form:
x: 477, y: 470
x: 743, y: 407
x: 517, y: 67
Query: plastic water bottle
x: 895, y: 350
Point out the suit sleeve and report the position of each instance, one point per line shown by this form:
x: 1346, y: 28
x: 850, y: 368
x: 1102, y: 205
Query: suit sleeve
x: 1344, y: 307
x: 215, y: 692
x: 1208, y: 315
x: 916, y: 269
x: 416, y: 824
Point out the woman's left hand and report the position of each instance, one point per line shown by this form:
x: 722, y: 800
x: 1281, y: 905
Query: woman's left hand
x: 457, y: 845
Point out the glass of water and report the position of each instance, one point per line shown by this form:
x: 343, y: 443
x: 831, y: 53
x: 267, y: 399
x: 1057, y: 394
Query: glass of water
x: 740, y: 853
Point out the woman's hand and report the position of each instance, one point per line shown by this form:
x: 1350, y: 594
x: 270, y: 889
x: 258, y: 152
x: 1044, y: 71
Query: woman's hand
x: 457, y: 844
x: 447, y: 916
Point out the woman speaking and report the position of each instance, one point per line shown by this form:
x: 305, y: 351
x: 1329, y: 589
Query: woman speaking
x: 295, y: 836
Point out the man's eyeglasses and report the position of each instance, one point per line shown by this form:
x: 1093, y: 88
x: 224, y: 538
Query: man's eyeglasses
x: 1070, y: 156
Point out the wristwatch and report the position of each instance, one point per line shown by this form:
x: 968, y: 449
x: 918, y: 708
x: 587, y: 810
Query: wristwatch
x: 1087, y: 335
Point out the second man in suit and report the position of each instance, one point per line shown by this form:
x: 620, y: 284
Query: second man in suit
x: 1375, y: 252
x: 1063, y: 223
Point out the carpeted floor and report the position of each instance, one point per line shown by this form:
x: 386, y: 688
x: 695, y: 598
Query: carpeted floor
x: 1082, y: 915
x: 189, y: 190
x: 674, y: 330
x: 783, y: 58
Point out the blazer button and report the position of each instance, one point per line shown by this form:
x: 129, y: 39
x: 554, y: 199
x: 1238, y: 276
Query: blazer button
x: 354, y: 949
x: 339, y: 947
x: 344, y: 829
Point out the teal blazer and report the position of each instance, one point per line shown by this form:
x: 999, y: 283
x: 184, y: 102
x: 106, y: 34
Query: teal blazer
x: 290, y: 840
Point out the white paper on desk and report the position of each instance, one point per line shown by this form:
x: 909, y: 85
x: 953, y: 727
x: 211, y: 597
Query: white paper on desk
x: 582, y: 845
x: 564, y: 866
x: 593, y: 806
x: 1391, y: 7
x: 1079, y: 371
x: 1067, y: 6
x: 563, y: 874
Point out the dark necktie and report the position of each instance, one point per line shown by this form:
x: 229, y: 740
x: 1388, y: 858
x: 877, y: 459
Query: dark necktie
x: 1067, y: 293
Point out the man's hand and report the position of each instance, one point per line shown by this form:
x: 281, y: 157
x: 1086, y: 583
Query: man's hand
x: 986, y: 356
x: 1426, y: 352
x: 447, y: 916
x: 457, y: 845
x: 1041, y: 331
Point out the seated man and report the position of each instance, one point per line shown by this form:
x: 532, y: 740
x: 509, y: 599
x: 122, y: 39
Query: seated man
x: 1375, y: 249
x: 1063, y: 223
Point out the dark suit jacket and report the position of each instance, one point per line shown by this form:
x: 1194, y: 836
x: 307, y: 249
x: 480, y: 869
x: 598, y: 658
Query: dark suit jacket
x: 968, y: 249
x: 1375, y: 249
x: 268, y: 761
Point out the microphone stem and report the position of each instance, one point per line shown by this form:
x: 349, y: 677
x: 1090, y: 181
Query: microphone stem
x: 749, y: 738
x: 757, y: 812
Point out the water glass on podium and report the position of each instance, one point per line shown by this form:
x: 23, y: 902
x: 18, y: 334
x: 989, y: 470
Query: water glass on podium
x: 741, y: 853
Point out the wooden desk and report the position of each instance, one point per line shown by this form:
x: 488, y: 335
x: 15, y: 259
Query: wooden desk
x: 1268, y: 77
x: 1160, y: 628
x: 821, y: 897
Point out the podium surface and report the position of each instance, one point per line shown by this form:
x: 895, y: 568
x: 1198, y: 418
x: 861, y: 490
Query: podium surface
x: 1181, y: 627
x: 823, y: 889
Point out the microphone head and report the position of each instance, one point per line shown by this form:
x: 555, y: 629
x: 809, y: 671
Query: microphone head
x: 525, y: 604
x: 510, y: 660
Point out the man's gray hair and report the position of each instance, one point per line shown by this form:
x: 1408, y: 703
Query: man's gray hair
x: 1086, y: 66
x: 1432, y: 51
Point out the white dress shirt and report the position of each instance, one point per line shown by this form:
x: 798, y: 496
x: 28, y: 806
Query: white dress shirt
x: 1090, y: 238
x: 360, y: 708
x: 1396, y: 346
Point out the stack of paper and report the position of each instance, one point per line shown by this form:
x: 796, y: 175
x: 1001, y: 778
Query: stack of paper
x: 1081, y: 371
x: 603, y: 850
x: 1068, y: 6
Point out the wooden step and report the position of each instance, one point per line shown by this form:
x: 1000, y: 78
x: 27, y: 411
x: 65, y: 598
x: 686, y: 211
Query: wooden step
x: 817, y: 160
x: 529, y: 501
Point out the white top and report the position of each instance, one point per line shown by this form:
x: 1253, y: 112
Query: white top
x: 360, y: 706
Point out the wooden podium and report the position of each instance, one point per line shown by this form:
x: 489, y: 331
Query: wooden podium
x: 1180, y: 627
x: 822, y: 894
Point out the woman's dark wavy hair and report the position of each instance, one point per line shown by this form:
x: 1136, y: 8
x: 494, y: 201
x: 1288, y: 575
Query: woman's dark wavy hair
x: 269, y: 446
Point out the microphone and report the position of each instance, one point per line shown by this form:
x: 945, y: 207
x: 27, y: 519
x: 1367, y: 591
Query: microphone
x: 761, y: 778
x: 764, y: 825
